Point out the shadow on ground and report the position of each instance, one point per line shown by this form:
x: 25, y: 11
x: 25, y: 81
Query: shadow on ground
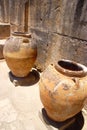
x: 31, y: 79
x: 74, y: 123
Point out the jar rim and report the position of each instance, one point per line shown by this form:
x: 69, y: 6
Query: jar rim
x: 71, y: 68
x: 23, y: 34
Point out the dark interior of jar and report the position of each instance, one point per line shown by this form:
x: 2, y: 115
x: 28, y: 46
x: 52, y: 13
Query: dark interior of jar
x: 70, y: 65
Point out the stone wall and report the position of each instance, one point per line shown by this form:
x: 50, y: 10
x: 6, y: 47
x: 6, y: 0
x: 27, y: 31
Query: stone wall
x: 4, y: 11
x: 15, y: 12
x: 4, y: 19
x: 59, y: 28
x: 19, y: 15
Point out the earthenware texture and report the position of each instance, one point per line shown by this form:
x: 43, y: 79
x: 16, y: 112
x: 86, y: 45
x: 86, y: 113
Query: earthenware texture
x: 63, y: 89
x: 20, y: 53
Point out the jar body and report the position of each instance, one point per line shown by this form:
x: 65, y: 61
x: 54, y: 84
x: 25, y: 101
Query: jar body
x: 62, y: 96
x: 20, y: 54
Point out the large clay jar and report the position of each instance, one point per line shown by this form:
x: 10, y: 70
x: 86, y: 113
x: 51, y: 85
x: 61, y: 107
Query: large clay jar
x: 63, y: 89
x: 20, y: 53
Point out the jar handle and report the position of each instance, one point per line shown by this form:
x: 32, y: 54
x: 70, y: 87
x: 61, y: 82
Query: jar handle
x: 76, y: 80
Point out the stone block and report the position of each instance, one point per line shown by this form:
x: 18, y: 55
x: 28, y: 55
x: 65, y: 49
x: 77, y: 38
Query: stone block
x: 52, y: 47
x: 4, y: 30
x: 63, y: 17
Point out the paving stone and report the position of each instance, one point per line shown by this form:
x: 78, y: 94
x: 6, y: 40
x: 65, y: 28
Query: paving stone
x: 7, y: 111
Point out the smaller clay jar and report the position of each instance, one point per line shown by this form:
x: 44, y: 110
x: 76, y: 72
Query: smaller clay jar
x: 63, y: 89
x: 20, y: 53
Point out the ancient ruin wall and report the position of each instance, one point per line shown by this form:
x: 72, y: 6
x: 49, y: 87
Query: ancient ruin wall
x: 15, y: 12
x: 59, y: 28
x: 4, y: 11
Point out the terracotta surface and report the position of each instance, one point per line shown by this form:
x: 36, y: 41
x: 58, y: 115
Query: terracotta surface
x: 63, y: 92
x: 20, y: 54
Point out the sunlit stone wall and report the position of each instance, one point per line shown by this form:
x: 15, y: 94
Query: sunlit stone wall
x: 15, y: 12
x: 58, y: 27
x: 60, y: 30
x: 4, y: 11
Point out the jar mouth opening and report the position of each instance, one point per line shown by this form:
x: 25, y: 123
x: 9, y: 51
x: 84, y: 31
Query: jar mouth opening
x: 70, y: 65
x: 71, y: 68
x: 23, y: 34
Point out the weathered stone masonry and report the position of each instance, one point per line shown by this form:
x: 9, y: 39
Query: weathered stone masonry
x: 58, y: 27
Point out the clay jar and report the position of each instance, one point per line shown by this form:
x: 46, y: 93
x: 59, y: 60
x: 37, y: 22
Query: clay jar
x: 20, y: 53
x: 63, y: 89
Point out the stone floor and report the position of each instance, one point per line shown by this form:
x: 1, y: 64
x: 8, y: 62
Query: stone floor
x: 21, y: 107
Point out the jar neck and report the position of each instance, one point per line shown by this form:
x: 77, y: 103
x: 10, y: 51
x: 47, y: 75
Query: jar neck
x: 70, y: 68
x: 21, y: 34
